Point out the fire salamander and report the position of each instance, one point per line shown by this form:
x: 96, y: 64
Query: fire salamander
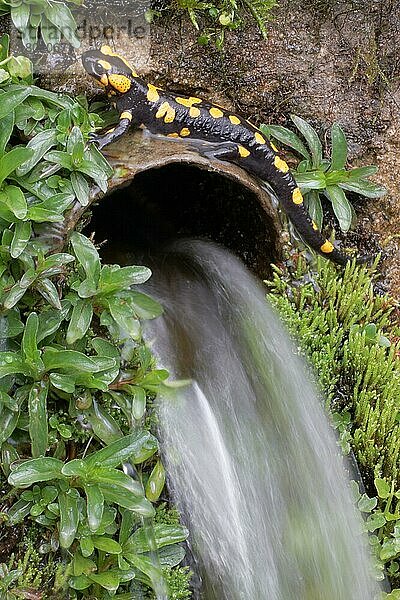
x: 232, y: 138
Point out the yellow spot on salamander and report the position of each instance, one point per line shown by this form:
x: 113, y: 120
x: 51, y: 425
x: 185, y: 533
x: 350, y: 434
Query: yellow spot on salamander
x: 281, y: 165
x: 152, y: 94
x: 194, y: 112
x: 234, y: 120
x: 107, y: 51
x: 184, y: 132
x: 297, y: 196
x: 188, y: 101
x: 167, y: 112
x: 105, y: 64
x: 314, y: 226
x: 104, y: 80
x: 216, y: 113
x: 126, y: 115
x: 243, y: 151
x: 120, y: 82
x: 259, y: 138
x: 173, y: 135
x: 327, y: 247
x: 274, y: 148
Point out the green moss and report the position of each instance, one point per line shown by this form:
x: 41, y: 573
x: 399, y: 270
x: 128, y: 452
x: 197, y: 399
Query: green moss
x: 339, y: 323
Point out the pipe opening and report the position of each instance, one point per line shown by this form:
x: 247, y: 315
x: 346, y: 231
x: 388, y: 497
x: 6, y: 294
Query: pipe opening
x: 180, y: 200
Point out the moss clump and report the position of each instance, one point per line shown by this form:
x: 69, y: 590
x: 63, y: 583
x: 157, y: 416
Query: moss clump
x: 339, y: 324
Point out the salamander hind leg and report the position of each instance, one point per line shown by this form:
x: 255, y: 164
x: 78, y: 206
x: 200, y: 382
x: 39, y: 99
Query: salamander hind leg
x: 225, y: 151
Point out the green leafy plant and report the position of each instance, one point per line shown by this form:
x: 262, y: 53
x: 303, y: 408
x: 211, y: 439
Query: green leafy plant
x: 52, y: 18
x: 213, y: 18
x: 80, y: 462
x: 316, y: 175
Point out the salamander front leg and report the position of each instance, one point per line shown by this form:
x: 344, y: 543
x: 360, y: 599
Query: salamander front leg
x: 125, y: 121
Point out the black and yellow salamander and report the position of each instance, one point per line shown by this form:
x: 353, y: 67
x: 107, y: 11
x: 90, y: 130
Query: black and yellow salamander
x: 232, y: 138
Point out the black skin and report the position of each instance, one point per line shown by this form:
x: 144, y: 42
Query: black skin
x: 217, y: 134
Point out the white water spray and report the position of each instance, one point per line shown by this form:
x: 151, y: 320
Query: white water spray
x: 252, y: 461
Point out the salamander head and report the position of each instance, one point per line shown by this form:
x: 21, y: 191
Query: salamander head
x: 110, y: 69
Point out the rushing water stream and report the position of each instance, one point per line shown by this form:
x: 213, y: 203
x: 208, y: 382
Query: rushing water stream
x: 253, y: 465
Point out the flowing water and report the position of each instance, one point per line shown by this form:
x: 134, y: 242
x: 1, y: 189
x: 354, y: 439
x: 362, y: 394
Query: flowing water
x: 253, y: 464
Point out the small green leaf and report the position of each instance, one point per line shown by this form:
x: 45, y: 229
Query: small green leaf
x: 20, y: 66
x: 366, y: 504
x: 18, y: 512
x: 80, y: 187
x: 80, y: 321
x: 104, y: 426
x: 124, y: 497
x: 108, y: 476
x: 86, y: 545
x: 40, y: 144
x: 164, y: 536
x: 13, y: 296
x: 76, y: 145
x: 341, y: 206
x: 106, y: 544
x: 48, y: 290
x: 12, y: 363
x: 10, y: 324
x: 37, y: 469
x: 138, y: 401
x: 315, y: 180
x: 382, y: 487
x: 82, y: 582
x: 95, y: 507
x: 75, y: 468
x: 143, y: 305
x: 362, y: 172
x: 49, y: 322
x: 156, y: 482
x: 9, y: 101
x: 21, y: 237
x: 8, y: 422
x: 114, y: 278
x: 375, y: 521
x: 68, y: 360
x: 20, y: 15
x: 38, y: 430
x: 29, y: 341
x: 134, y: 446
x: 88, y: 257
x: 60, y: 15
x: 122, y: 314
x: 287, y: 137
x: 62, y: 382
x: 8, y: 455
x: 108, y: 580
x: 69, y: 517
x: 6, y: 129
x: 364, y: 188
x: 171, y: 556
x: 314, y: 207
x: 339, y: 148
x: 13, y: 197
x: 312, y: 139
